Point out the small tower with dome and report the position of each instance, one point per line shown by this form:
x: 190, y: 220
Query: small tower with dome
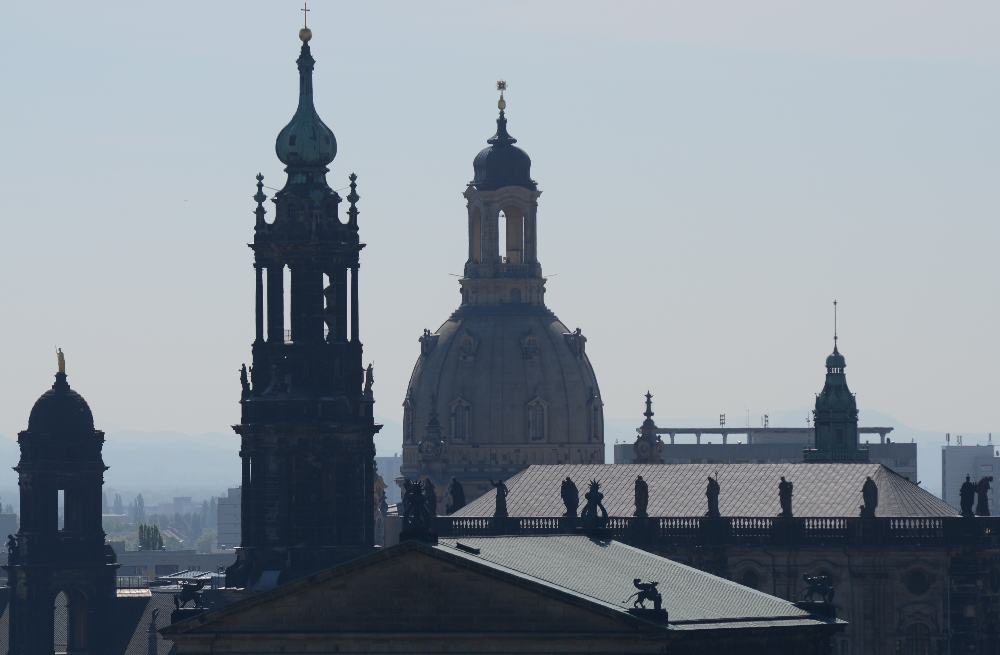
x: 59, y: 556
x: 503, y: 383
x: 836, y: 415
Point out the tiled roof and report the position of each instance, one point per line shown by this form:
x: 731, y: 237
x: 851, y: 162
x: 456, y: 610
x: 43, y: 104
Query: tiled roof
x: 820, y: 490
x: 132, y: 615
x: 602, y: 572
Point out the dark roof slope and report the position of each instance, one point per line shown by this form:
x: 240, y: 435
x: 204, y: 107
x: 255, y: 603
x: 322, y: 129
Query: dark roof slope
x: 130, y: 633
x: 820, y: 490
x: 602, y: 572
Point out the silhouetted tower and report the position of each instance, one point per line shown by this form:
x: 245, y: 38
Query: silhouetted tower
x: 60, y: 545
x: 648, y: 446
x: 835, y: 418
x: 307, y: 426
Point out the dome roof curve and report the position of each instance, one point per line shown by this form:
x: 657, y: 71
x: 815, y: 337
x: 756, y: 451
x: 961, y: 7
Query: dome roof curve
x: 502, y: 163
x: 61, y: 411
x: 498, y: 365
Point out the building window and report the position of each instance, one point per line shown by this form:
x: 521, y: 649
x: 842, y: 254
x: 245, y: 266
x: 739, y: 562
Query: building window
x: 461, y: 420
x: 536, y: 420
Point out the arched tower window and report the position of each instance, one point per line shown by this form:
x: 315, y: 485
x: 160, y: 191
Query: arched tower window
x: 461, y: 420
x: 537, y: 420
x: 512, y: 235
x: 475, y: 235
x: 407, y: 421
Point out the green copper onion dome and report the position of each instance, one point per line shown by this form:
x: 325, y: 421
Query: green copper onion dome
x: 306, y: 141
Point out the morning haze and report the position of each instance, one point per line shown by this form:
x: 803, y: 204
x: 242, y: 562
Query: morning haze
x: 712, y: 180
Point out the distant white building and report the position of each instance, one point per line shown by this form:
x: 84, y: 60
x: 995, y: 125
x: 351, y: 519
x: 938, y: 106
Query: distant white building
x: 976, y: 461
x: 229, y: 519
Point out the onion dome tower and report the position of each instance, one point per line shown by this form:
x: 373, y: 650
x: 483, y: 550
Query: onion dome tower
x: 836, y: 415
x: 307, y: 426
x: 59, y: 548
x: 503, y: 383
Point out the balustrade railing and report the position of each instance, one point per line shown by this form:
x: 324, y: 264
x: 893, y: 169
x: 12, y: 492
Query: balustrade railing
x: 693, y: 530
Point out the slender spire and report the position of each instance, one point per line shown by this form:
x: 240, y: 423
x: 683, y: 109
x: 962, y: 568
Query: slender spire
x: 306, y: 142
x: 834, y: 325
x: 260, y: 198
x: 649, y: 405
x: 353, y: 198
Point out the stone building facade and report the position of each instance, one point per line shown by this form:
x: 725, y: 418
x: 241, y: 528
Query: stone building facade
x: 916, y: 579
x: 503, y: 383
x: 560, y: 594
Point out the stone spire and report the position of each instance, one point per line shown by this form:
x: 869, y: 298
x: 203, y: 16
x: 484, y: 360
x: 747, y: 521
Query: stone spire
x: 835, y: 418
x: 648, y: 445
x: 306, y: 142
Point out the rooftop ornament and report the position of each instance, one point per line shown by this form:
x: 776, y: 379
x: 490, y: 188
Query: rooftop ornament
x: 594, y: 515
x: 869, y: 496
x: 647, y: 591
x: 712, y: 495
x: 570, y: 497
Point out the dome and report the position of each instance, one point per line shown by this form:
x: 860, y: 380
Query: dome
x: 306, y: 140
x: 836, y: 360
x: 505, y: 377
x: 502, y: 163
x: 60, y: 410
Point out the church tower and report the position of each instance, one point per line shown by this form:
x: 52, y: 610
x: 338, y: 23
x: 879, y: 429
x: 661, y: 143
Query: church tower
x: 835, y: 418
x: 59, y: 556
x: 503, y: 383
x: 307, y: 426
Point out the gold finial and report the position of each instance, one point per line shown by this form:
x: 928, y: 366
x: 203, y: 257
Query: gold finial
x: 305, y: 34
x: 61, y: 360
x: 501, y: 87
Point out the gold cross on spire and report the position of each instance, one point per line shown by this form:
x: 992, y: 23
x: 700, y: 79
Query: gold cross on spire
x: 305, y: 14
x: 501, y: 87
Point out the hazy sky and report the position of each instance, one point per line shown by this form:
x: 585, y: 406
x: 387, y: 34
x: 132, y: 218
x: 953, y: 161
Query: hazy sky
x: 714, y: 174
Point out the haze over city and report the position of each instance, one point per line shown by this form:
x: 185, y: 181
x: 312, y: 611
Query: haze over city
x: 713, y: 176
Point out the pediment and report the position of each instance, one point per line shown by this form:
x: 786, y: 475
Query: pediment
x: 422, y: 590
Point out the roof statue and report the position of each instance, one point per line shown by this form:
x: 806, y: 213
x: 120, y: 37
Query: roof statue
x: 983, y: 496
x: 500, y: 511
x: 818, y: 586
x: 641, y: 497
x: 967, y: 496
x: 417, y: 519
x: 430, y: 498
x: 785, y: 498
x: 61, y: 361
x: 457, y: 493
x: 647, y: 591
x: 869, y: 494
x: 712, y: 496
x: 594, y: 515
x: 570, y: 496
